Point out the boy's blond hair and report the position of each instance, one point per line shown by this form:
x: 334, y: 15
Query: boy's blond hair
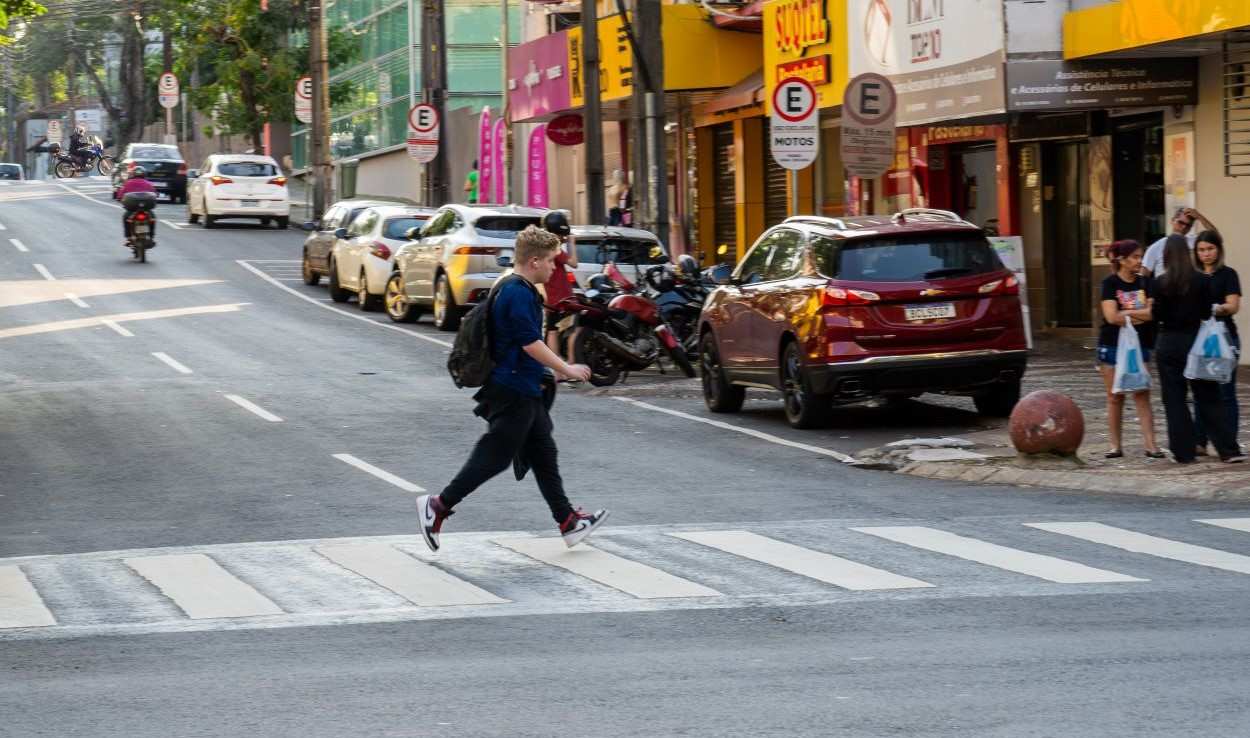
x: 535, y: 243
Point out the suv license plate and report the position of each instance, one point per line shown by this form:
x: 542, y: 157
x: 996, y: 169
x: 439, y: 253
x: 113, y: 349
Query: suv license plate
x: 929, y: 312
x: 249, y: 203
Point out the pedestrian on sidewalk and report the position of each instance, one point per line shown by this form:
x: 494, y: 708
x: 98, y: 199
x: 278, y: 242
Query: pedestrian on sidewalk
x: 470, y: 184
x: 1126, y: 294
x: 1183, y: 299
x: 1226, y: 295
x: 512, y: 399
x: 1182, y: 224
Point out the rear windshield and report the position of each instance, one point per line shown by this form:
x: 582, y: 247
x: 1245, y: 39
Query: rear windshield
x: 908, y: 259
x: 165, y: 153
x: 10, y: 169
x: 619, y: 250
x: 397, y: 227
x: 247, y: 169
x: 502, y: 226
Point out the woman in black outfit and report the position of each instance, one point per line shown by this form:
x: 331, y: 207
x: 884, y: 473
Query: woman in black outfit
x: 1183, y: 300
x: 1226, y: 294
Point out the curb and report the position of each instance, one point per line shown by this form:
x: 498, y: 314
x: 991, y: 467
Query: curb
x: 1071, y: 480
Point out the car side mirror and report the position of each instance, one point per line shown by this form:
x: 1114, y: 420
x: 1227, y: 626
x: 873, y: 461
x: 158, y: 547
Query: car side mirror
x: 341, y: 233
x: 193, y: 173
x: 504, y: 261
x: 308, y: 225
x: 413, y: 234
x: 721, y: 274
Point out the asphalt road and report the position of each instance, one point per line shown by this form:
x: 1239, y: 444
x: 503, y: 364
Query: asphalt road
x: 207, y: 473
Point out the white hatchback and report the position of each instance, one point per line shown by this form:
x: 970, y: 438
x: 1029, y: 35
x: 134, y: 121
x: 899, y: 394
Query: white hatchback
x: 238, y: 186
x: 363, y: 253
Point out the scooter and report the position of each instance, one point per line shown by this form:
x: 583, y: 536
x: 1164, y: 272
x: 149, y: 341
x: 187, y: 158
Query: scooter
x: 141, y: 222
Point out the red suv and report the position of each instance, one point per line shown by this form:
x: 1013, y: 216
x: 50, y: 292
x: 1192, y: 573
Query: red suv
x: 835, y: 310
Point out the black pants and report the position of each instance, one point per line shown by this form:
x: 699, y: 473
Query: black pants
x: 1171, y: 351
x: 520, y: 429
x: 1228, y: 397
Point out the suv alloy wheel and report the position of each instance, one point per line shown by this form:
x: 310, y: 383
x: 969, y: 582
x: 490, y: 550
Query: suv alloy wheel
x: 718, y: 394
x: 804, y: 408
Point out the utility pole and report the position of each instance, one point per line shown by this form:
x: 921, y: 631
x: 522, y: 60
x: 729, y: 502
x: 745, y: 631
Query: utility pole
x: 319, y: 143
x: 504, y: 112
x: 649, y: 60
x: 434, y: 92
x: 10, y: 109
x: 595, y: 207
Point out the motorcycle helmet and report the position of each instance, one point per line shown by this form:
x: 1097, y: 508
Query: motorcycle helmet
x: 688, y: 266
x: 139, y: 172
x: 54, y: 148
x: 556, y: 222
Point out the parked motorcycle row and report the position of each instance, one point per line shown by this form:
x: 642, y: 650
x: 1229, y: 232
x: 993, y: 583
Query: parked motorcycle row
x: 617, y: 326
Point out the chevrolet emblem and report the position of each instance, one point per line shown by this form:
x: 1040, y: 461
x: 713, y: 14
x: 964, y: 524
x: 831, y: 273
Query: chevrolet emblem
x: 931, y: 292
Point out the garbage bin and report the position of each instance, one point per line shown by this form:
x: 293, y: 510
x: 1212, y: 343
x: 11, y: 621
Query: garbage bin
x: 347, y: 178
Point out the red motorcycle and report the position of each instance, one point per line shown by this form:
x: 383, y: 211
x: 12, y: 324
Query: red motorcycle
x: 619, y: 330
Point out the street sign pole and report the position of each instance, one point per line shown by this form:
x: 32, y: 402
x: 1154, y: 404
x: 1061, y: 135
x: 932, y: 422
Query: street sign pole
x: 794, y: 130
x: 169, y: 94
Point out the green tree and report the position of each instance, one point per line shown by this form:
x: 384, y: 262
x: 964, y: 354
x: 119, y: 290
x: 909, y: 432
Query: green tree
x: 10, y: 9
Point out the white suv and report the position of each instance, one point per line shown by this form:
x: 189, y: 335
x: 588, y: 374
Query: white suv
x: 454, y: 262
x: 360, y: 262
x: 238, y: 186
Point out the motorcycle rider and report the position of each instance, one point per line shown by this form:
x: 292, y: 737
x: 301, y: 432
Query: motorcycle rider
x: 558, y: 288
x: 78, y: 144
x: 136, y: 182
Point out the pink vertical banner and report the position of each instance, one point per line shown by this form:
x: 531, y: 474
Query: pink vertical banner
x: 485, y: 158
x: 501, y: 179
x: 536, y: 168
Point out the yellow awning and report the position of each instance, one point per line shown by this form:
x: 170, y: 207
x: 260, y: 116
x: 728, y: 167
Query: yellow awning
x: 1132, y: 24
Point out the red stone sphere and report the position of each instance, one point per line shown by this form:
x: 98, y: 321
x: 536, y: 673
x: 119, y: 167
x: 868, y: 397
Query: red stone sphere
x: 1046, y: 422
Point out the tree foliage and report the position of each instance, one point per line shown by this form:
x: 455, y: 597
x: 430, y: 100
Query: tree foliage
x: 17, y: 9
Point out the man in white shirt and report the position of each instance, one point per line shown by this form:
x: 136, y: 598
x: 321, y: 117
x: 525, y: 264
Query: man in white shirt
x: 1182, y: 224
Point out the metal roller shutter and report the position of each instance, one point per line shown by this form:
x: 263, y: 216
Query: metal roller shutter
x: 774, y: 186
x: 723, y: 186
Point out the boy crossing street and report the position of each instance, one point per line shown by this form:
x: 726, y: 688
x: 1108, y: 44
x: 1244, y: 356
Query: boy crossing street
x: 511, y: 401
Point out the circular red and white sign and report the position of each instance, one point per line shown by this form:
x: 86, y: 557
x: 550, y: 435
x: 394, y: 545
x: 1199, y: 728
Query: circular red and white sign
x: 423, y: 118
x: 794, y: 100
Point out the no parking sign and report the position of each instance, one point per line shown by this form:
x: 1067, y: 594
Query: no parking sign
x: 424, y: 130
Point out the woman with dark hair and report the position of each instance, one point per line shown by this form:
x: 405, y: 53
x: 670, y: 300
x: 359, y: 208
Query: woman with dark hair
x: 1226, y: 295
x: 1126, y: 294
x: 1182, y: 301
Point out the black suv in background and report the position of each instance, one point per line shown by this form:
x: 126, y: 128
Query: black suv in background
x: 164, y: 164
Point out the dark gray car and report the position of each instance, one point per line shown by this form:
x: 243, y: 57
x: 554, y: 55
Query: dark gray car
x: 321, y: 237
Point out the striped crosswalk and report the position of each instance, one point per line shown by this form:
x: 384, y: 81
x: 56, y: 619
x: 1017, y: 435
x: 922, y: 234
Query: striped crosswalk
x: 394, y: 578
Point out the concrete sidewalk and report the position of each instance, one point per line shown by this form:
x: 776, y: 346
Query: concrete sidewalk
x: 1067, y: 366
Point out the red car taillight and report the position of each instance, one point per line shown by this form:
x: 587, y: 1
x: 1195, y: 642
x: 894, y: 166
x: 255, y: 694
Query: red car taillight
x: 182, y: 168
x: 280, y: 181
x: 380, y: 250
x: 841, y: 297
x: 476, y: 251
x: 1008, y: 286
x: 217, y: 179
x: 572, y: 278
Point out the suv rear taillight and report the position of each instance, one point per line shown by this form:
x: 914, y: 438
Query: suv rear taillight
x: 217, y: 179
x: 1006, y: 286
x: 476, y: 251
x: 182, y: 168
x: 841, y: 297
x: 280, y: 181
x: 380, y: 250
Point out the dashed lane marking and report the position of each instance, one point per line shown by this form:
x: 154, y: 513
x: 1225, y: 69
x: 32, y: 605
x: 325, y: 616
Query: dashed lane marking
x: 411, y: 334
x: 171, y: 362
x: 739, y: 429
x: 43, y: 271
x: 382, y: 474
x: 76, y: 300
x: 17, y: 244
x: 253, y: 408
x: 113, y: 325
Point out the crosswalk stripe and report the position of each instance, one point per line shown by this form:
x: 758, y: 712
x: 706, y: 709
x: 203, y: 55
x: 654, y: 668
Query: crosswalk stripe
x: 1241, y: 524
x: 803, y: 561
x: 414, y: 580
x: 1050, y: 568
x: 20, y: 604
x: 201, y: 588
x: 1164, y: 548
x: 632, y: 578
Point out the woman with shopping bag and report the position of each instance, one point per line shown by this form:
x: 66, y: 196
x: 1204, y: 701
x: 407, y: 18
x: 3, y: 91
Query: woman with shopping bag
x: 1183, y: 299
x: 1124, y: 343
x: 1226, y: 289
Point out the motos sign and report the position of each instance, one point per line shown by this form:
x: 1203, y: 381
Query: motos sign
x: 794, y: 136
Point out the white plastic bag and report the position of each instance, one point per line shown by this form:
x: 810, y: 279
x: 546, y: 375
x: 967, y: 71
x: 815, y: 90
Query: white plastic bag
x: 1211, y: 358
x: 1131, y: 374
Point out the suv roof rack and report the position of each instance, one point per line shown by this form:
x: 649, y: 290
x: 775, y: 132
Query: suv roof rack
x: 817, y: 220
x: 901, y: 216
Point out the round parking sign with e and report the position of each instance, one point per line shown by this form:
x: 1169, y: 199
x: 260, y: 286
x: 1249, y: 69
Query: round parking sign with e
x: 303, y: 99
x: 167, y: 90
x: 794, y: 100
x: 869, y: 100
x: 794, y: 131
x: 423, y: 132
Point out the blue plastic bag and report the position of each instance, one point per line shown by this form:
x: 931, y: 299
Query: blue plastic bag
x: 1211, y: 358
x: 1131, y: 374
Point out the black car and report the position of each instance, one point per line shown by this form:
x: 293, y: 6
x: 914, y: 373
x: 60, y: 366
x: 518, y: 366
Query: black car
x: 164, y: 165
x: 11, y: 171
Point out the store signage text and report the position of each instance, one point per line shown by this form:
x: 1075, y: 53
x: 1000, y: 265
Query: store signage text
x: 800, y: 24
x: 926, y: 43
x: 813, y: 69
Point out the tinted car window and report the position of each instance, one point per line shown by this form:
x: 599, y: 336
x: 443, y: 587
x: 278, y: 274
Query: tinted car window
x: 397, y: 227
x: 502, y: 226
x: 752, y: 267
x: 10, y: 171
x: 165, y: 153
x: 364, y: 224
x: 787, y: 251
x: 247, y: 169
x: 906, y: 259
x: 351, y: 216
x: 439, y: 224
x: 331, y: 219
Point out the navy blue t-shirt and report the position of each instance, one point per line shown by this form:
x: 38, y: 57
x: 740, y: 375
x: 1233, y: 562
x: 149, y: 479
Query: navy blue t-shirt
x: 517, y: 321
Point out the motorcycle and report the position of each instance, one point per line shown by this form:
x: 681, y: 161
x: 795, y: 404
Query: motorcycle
x: 141, y: 221
x: 680, y: 292
x: 93, y: 156
x: 620, y: 330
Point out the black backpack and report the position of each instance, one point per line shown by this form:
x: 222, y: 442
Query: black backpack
x: 471, y: 361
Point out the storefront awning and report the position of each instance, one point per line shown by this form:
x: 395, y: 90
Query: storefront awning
x: 749, y: 18
x: 744, y: 94
x: 1166, y: 29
